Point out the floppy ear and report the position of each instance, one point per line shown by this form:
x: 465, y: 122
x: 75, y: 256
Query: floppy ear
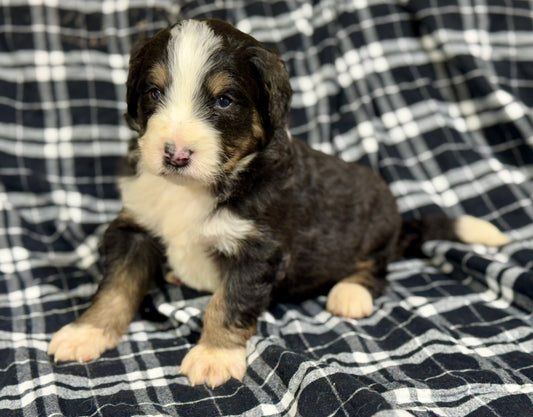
x: 275, y: 86
x: 132, y: 95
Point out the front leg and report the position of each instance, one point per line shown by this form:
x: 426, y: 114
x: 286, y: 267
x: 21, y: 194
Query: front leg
x: 131, y: 260
x: 229, y: 321
x: 221, y: 352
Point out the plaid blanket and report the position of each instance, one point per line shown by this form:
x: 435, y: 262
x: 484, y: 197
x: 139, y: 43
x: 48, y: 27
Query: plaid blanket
x: 436, y: 96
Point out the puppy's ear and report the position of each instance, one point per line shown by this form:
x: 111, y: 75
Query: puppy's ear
x: 132, y: 95
x: 275, y: 86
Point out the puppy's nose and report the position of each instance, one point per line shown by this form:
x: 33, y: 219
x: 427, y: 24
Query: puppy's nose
x: 176, y: 157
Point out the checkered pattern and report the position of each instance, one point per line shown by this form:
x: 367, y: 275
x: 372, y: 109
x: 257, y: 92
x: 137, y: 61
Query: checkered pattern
x: 436, y: 96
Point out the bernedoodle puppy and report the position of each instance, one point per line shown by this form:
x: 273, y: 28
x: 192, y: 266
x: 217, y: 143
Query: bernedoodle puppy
x: 218, y: 188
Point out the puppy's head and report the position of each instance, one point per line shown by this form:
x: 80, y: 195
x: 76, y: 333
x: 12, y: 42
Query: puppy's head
x: 204, y: 98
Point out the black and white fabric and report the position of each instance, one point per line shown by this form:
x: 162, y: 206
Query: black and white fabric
x: 436, y: 96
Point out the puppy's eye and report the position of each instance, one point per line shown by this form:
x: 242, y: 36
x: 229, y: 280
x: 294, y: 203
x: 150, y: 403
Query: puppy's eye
x: 155, y: 94
x: 223, y: 102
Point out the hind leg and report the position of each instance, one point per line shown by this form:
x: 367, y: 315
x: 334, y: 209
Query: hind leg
x: 352, y: 297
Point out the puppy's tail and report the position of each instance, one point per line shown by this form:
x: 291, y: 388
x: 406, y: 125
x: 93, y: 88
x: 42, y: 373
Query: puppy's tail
x: 466, y: 229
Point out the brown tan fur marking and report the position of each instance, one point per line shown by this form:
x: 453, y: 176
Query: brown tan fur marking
x: 257, y: 128
x: 247, y: 144
x: 216, y: 332
x: 159, y: 75
x: 219, y: 83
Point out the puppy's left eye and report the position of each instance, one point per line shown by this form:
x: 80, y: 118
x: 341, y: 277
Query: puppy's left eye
x: 223, y: 102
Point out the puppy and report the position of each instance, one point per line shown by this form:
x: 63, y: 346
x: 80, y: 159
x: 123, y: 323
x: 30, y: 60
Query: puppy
x: 217, y: 187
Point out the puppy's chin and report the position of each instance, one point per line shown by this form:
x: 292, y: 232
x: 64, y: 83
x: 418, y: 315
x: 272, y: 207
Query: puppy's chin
x: 182, y: 178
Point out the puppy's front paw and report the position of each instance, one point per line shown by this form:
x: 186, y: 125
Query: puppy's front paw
x: 81, y: 343
x: 348, y: 299
x: 213, y: 366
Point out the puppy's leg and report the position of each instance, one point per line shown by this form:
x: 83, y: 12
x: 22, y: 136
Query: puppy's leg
x: 229, y: 321
x: 131, y: 260
x: 352, y: 297
x: 221, y: 352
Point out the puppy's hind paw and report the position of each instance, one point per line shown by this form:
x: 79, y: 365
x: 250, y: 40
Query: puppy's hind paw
x: 351, y: 300
x: 214, y: 366
x: 81, y: 343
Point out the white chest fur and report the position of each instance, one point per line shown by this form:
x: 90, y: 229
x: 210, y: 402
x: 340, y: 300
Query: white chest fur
x: 183, y: 218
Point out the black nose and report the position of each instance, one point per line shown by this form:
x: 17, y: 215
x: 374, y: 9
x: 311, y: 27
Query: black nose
x: 176, y: 157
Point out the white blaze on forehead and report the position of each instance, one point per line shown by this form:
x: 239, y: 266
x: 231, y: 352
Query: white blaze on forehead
x: 190, y: 47
x: 181, y: 119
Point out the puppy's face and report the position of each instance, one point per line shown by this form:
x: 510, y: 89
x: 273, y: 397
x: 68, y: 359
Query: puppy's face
x: 205, y: 98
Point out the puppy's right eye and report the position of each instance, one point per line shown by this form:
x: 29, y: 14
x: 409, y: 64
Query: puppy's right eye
x: 155, y: 94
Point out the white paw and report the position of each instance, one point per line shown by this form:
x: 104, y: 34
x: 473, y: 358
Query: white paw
x: 81, y: 343
x: 472, y: 230
x: 213, y: 366
x: 348, y: 299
